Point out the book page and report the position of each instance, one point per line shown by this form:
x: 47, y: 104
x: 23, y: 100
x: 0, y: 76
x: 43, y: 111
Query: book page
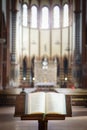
x: 55, y: 103
x: 35, y: 103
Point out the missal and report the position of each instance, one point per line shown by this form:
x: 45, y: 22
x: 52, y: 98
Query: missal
x: 45, y: 103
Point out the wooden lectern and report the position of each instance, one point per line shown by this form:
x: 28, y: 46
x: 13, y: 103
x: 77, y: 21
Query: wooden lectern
x: 41, y: 118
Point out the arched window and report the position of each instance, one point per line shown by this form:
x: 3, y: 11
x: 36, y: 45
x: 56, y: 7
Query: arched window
x: 45, y: 18
x: 25, y: 15
x: 34, y: 17
x: 56, y: 17
x: 65, y: 15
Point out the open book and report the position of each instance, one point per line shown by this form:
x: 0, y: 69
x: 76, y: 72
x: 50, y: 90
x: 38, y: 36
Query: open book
x: 48, y: 103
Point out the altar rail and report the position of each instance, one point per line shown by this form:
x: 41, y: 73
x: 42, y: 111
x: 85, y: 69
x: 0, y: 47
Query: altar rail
x: 78, y: 96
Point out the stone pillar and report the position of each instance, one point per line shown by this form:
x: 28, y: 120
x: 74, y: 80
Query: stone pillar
x: 14, y: 64
x: 13, y: 56
x: 77, y: 58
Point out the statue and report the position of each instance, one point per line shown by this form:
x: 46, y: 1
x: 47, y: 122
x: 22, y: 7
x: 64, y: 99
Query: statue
x: 65, y: 64
x: 24, y: 67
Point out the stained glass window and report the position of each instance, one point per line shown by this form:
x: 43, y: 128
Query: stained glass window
x: 45, y: 18
x: 34, y: 17
x: 25, y: 15
x: 65, y: 15
x: 56, y: 17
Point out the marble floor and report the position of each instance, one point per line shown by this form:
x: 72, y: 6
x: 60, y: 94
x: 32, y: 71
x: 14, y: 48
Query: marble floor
x: 78, y: 121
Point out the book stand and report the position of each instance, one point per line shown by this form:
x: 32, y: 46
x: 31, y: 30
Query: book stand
x: 41, y: 118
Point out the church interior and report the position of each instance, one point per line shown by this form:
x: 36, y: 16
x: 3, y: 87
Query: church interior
x: 43, y: 47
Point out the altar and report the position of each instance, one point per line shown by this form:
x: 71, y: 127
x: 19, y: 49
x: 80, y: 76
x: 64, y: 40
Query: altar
x: 45, y: 73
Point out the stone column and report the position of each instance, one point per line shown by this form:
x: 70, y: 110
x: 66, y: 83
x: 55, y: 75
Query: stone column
x: 13, y: 55
x: 77, y: 58
x: 14, y: 64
